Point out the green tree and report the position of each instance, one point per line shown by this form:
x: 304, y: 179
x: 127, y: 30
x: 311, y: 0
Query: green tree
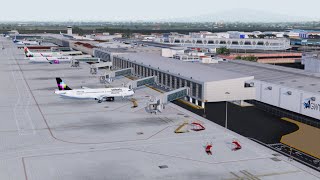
x: 127, y: 33
x: 78, y: 30
x: 223, y: 50
x: 250, y: 58
x: 238, y: 57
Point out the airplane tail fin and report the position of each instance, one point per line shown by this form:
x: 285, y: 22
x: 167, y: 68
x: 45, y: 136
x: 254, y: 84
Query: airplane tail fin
x: 27, y: 52
x: 61, y: 85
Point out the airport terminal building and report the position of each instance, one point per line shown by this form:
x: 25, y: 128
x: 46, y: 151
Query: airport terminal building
x: 206, y: 84
x: 230, y: 43
x: 295, y: 91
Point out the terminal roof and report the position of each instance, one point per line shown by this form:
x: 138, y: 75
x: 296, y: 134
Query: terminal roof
x: 186, y: 69
x: 289, y: 77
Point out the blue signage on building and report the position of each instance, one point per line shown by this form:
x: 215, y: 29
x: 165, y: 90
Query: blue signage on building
x: 308, y: 104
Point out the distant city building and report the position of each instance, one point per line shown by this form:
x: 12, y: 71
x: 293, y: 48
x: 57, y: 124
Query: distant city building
x: 230, y: 40
x: 105, y: 36
x: 69, y: 30
x: 13, y: 33
x: 268, y: 58
x: 311, y: 62
x: 309, y: 34
x: 295, y: 33
x: 170, y: 52
x: 190, y: 55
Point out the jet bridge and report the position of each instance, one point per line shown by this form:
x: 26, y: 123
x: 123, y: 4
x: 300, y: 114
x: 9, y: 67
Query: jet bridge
x: 142, y: 82
x: 175, y: 94
x: 117, y: 73
x: 158, y: 103
x: 94, y: 68
x: 108, y: 75
x: 75, y: 62
x: 88, y: 59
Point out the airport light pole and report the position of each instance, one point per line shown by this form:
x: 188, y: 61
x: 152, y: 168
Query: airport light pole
x: 226, y: 123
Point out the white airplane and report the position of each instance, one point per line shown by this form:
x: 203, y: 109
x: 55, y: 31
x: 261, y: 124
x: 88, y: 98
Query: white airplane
x: 51, y: 60
x: 28, y: 53
x: 17, y: 42
x: 107, y: 94
x: 56, y: 60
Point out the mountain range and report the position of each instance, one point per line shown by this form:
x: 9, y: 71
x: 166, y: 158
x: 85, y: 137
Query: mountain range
x: 244, y: 15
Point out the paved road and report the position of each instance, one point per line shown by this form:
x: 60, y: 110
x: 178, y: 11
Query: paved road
x: 248, y: 121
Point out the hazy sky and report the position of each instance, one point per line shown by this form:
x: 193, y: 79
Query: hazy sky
x: 105, y: 10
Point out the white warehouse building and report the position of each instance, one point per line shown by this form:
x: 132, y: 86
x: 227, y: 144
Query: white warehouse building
x: 311, y: 63
x: 290, y: 89
x: 289, y: 98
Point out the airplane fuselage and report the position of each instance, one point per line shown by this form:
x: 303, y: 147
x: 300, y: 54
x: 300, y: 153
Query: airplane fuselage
x: 55, y: 60
x: 98, y: 94
x: 26, y: 42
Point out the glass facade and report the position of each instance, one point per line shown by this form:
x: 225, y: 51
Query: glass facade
x: 164, y: 79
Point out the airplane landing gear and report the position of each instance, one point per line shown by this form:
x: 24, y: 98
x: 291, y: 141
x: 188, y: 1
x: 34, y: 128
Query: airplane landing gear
x: 110, y: 99
x: 105, y: 99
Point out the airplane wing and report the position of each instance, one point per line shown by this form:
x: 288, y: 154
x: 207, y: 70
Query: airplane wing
x: 100, y: 98
x: 48, y: 60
